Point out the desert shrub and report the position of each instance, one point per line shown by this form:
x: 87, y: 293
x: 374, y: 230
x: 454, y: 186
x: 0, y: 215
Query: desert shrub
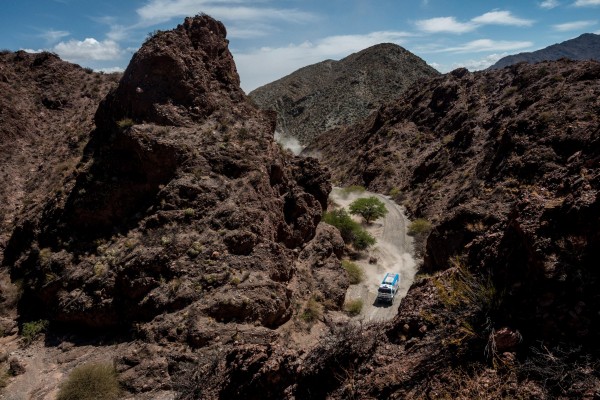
x: 472, y: 301
x: 312, y: 311
x: 419, y: 226
x: 125, y: 123
x: 353, y: 307
x: 91, y: 382
x: 355, y: 272
x: 32, y: 329
x: 345, y: 224
x: 370, y: 208
x: 394, y: 192
x: 350, y: 230
x: 362, y: 240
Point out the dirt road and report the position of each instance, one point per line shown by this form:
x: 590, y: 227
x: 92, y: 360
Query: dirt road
x: 393, y: 251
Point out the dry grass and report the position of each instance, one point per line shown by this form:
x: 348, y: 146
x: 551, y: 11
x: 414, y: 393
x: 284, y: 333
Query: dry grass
x: 91, y: 382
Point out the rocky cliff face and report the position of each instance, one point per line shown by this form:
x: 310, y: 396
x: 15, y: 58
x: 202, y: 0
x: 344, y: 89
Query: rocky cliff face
x: 584, y: 47
x: 505, y: 164
x: 335, y: 93
x: 184, y: 222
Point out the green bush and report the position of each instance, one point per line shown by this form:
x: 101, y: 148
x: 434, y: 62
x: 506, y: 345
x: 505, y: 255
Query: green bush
x: 345, y: 224
x: 355, y: 272
x: 353, y: 307
x: 362, y: 240
x: 419, y: 226
x: 370, y: 208
x: 32, y: 329
x: 91, y: 382
x: 352, y: 189
x: 350, y: 230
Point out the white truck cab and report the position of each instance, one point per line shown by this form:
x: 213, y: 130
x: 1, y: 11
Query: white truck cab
x: 388, y: 287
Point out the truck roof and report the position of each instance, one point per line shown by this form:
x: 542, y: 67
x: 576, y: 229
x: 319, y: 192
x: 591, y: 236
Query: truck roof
x: 390, y: 278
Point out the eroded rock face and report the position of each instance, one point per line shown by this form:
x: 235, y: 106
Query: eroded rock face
x: 182, y: 198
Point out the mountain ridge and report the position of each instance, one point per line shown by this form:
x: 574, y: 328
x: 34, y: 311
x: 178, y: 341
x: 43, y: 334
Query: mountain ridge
x: 334, y: 93
x: 583, y: 47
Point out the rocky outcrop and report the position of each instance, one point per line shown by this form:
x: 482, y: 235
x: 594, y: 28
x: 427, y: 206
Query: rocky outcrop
x: 505, y: 165
x: 182, y: 197
x: 329, y: 94
x: 584, y: 47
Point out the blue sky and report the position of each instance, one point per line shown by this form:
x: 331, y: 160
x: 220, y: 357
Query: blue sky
x: 272, y: 38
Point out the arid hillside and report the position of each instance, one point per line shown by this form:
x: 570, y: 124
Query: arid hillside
x: 46, y: 113
x: 331, y: 93
x: 584, y: 47
x: 184, y: 229
x: 505, y: 166
x: 164, y: 235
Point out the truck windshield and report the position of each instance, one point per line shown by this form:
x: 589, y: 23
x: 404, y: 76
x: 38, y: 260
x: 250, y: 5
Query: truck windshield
x: 384, y: 290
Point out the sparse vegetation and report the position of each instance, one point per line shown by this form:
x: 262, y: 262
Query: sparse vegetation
x: 370, y: 208
x: 91, y: 382
x: 351, y: 231
x: 419, y: 226
x: 125, y: 123
x: 312, y: 311
x: 355, y: 272
x: 32, y: 329
x: 362, y: 240
x: 472, y: 302
x: 353, y: 307
x: 394, y: 192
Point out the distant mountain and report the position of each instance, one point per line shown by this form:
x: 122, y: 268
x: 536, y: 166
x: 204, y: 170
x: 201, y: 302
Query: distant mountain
x: 334, y: 93
x: 584, y: 47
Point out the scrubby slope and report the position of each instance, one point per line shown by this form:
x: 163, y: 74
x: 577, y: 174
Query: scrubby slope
x: 46, y: 113
x: 335, y: 93
x: 584, y: 47
x: 506, y: 164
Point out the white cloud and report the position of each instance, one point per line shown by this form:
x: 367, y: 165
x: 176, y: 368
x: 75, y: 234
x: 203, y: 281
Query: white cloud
x: 248, y: 32
x: 549, y: 4
x: 573, y: 26
x: 451, y: 25
x: 88, y: 49
x: 482, y: 63
x: 163, y: 10
x: 52, y: 35
x: 501, y: 18
x: 587, y: 3
x: 487, y: 45
x: 110, y: 70
x: 445, y: 24
x: 267, y: 64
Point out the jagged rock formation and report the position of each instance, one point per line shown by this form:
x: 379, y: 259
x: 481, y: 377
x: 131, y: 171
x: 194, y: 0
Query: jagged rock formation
x: 584, y: 47
x: 506, y: 164
x: 331, y: 93
x: 185, y: 223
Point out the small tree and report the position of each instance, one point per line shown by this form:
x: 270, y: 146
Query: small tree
x: 370, y: 208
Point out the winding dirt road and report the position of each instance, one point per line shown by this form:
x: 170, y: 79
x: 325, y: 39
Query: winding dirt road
x: 393, y: 251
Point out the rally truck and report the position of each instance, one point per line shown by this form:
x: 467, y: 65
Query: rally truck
x: 388, y: 287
